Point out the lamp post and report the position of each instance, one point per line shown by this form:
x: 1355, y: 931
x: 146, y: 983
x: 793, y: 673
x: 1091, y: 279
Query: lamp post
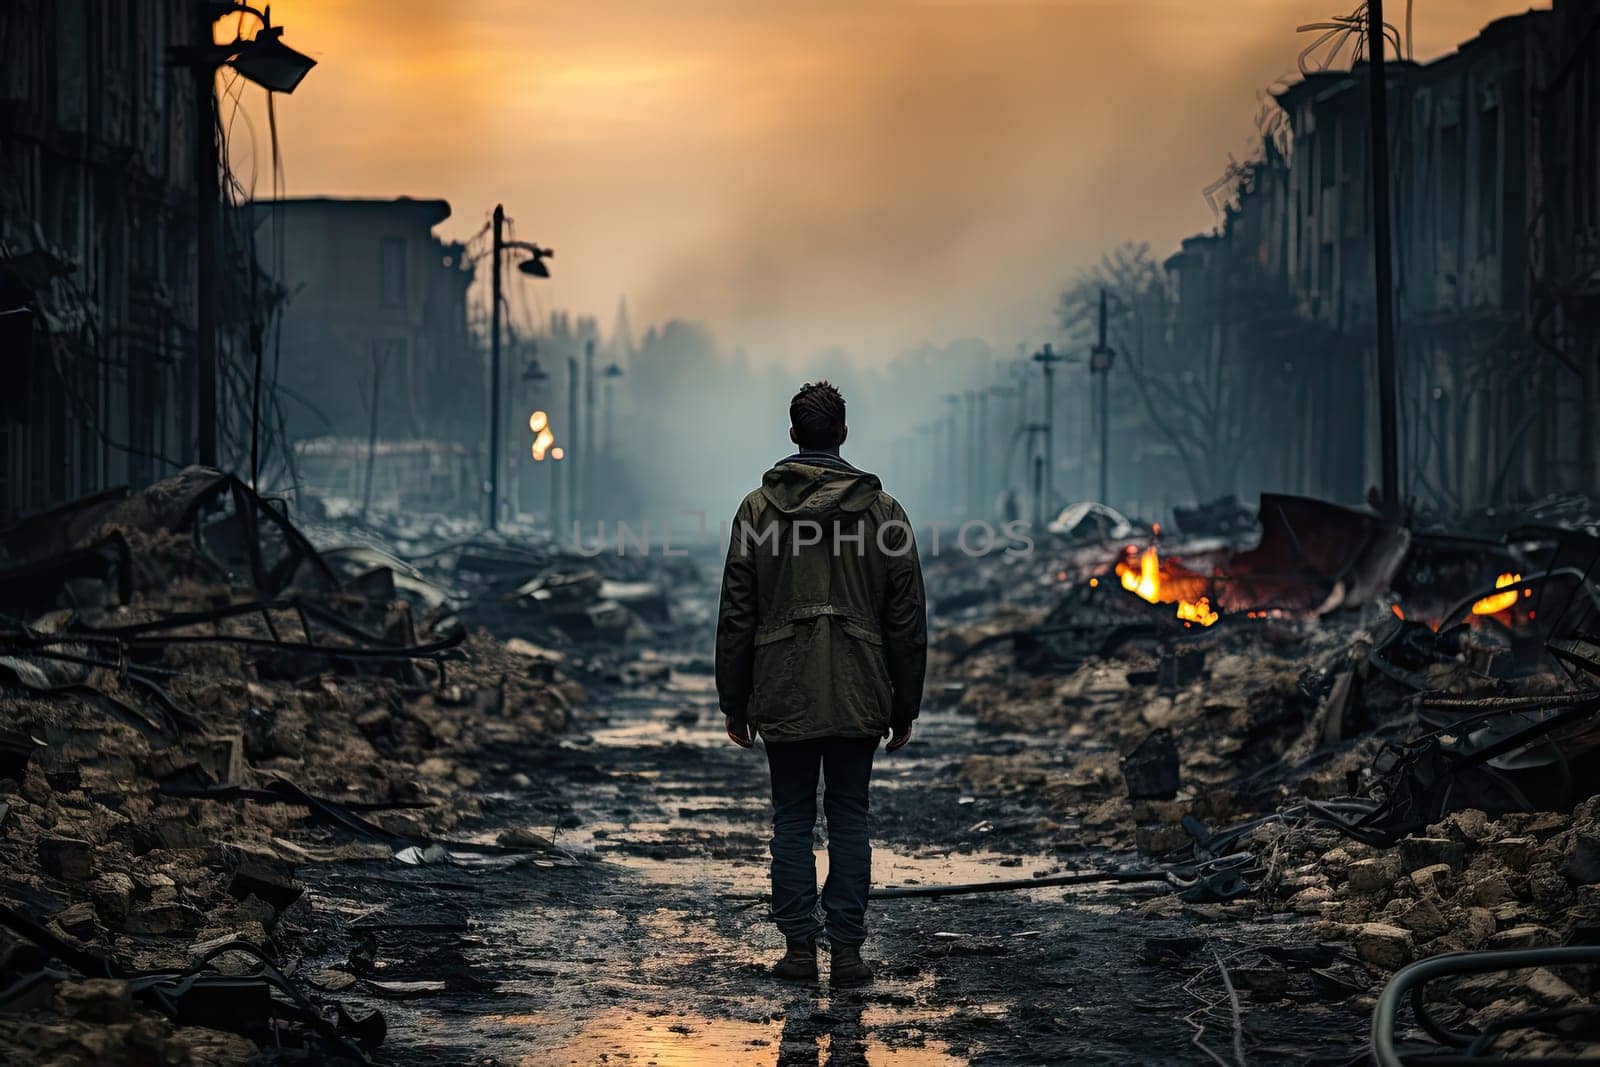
x: 608, y: 441
x: 277, y: 68
x: 534, y: 266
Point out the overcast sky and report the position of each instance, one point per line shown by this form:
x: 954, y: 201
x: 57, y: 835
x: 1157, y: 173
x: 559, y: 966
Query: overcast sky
x: 865, y: 174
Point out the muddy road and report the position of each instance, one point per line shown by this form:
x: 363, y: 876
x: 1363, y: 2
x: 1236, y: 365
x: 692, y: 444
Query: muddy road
x: 642, y: 953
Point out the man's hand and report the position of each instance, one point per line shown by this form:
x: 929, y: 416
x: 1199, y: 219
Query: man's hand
x: 739, y: 732
x: 898, y: 738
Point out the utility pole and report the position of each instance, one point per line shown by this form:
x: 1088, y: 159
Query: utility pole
x: 953, y: 451
x: 378, y: 360
x: 277, y: 68
x: 586, y: 458
x: 1101, y: 357
x: 985, y: 461
x: 999, y: 473
x: 494, y: 367
x: 1047, y: 359
x: 974, y: 452
x: 207, y: 195
x: 555, y: 494
x: 572, y: 406
x: 1038, y: 492
x: 1383, y: 263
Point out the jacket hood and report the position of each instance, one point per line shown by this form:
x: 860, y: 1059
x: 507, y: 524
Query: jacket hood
x: 818, y: 484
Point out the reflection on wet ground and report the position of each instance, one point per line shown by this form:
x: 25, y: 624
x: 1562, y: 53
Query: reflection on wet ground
x: 642, y: 958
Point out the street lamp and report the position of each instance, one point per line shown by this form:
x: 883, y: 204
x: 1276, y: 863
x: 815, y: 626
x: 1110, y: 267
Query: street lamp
x: 534, y: 266
x: 268, y: 62
x: 277, y: 68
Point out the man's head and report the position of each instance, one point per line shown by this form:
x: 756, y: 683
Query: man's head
x: 816, y: 417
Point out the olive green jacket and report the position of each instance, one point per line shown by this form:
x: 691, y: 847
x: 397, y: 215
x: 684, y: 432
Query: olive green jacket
x: 823, y: 626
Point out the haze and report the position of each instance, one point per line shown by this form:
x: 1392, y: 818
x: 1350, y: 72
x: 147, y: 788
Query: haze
x: 802, y: 175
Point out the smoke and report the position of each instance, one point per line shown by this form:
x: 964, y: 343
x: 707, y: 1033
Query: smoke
x: 802, y: 176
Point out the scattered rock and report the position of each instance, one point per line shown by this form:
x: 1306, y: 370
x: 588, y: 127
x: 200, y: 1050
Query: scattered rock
x: 1371, y: 875
x: 1383, y: 945
x: 100, y: 1000
x: 1420, y: 852
x: 68, y: 858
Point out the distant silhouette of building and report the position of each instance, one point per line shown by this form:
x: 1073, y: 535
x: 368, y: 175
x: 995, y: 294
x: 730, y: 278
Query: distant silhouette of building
x: 375, y: 311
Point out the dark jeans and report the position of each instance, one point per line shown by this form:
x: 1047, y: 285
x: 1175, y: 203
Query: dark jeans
x: 846, y: 766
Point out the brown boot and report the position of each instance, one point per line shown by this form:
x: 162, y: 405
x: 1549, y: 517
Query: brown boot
x: 848, y: 968
x: 799, y: 963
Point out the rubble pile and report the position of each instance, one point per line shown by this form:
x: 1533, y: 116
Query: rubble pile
x: 194, y: 701
x: 1391, y: 735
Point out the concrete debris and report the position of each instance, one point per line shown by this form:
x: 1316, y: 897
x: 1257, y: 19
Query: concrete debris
x: 188, y: 654
x: 1401, y: 748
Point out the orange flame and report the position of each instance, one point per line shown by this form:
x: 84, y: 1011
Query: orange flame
x: 1145, y: 582
x: 1197, y: 611
x: 1498, y: 602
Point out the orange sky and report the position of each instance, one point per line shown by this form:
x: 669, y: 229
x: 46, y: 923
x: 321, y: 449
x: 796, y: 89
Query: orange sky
x: 802, y: 174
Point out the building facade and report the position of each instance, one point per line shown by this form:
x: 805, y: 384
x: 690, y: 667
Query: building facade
x: 97, y: 247
x: 1493, y: 160
x: 374, y: 327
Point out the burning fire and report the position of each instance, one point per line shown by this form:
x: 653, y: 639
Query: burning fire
x: 1144, y: 581
x: 1498, y: 602
x: 1199, y: 611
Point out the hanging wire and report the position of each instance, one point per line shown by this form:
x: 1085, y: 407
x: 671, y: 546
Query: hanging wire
x: 1323, y: 52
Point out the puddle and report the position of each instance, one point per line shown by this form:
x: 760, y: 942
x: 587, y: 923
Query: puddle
x: 890, y: 867
x: 819, y: 1032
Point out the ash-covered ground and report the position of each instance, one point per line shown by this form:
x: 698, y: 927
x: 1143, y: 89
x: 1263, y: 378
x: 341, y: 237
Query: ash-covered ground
x: 396, y: 791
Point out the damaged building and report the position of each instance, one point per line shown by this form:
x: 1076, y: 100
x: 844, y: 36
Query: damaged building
x: 371, y: 297
x: 1495, y: 195
x: 309, y: 753
x: 97, y: 248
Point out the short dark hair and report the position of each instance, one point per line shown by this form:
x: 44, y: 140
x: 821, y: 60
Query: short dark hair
x: 817, y: 415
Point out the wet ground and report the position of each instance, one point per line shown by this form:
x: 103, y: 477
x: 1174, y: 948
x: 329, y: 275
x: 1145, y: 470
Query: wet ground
x: 643, y: 954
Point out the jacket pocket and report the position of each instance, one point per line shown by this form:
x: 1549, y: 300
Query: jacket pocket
x: 870, y: 664
x: 776, y: 697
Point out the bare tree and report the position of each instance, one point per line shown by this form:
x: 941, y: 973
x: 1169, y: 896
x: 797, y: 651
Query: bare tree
x: 1186, y: 382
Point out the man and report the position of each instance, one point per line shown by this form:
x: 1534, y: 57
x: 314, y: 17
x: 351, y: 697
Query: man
x: 821, y: 645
